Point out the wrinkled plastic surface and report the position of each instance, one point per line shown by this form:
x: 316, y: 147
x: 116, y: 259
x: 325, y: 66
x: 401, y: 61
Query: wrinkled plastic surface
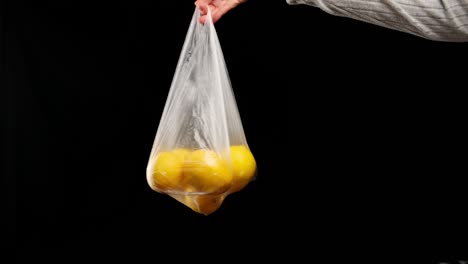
x: 200, y: 153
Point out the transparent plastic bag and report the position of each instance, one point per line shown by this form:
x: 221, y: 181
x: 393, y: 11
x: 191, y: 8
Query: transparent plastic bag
x: 200, y: 153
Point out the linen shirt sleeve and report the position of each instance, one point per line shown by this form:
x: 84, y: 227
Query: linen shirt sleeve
x: 441, y: 20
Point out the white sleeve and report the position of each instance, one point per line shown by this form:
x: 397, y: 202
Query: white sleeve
x: 442, y: 20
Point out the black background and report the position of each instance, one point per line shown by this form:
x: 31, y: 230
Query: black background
x: 357, y: 131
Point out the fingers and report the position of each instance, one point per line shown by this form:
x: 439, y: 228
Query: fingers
x: 217, y: 11
x: 203, y: 13
x: 202, y: 2
x: 203, y: 9
x: 223, y: 9
x: 203, y: 6
x: 217, y: 14
x: 202, y: 19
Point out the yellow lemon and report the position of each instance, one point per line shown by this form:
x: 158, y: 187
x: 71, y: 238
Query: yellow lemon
x: 244, y: 167
x: 167, y: 171
x: 207, y: 172
x: 181, y: 152
x: 204, y: 204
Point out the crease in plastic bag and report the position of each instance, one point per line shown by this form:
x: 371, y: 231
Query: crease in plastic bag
x: 200, y: 153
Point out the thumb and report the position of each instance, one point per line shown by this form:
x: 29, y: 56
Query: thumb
x: 203, y: 13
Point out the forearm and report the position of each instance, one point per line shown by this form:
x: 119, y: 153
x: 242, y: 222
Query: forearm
x: 443, y: 20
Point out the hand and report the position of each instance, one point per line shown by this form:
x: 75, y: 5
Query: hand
x: 218, y: 8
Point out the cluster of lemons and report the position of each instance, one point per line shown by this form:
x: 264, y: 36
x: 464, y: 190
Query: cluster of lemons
x: 201, y: 178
